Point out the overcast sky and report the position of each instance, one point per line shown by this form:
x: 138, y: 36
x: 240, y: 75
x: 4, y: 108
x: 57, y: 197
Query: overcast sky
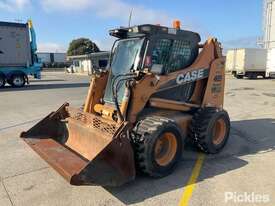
x: 237, y: 23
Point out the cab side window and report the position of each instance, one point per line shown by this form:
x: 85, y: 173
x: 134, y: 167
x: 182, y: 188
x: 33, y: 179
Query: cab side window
x: 181, y: 53
x: 172, y: 55
x: 161, y: 53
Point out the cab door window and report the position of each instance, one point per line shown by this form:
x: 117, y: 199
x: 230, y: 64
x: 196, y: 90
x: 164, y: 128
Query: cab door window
x: 180, y: 56
x: 161, y: 53
x: 172, y: 55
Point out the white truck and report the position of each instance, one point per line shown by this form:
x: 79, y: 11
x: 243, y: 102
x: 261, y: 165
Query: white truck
x: 246, y: 62
x: 270, y: 65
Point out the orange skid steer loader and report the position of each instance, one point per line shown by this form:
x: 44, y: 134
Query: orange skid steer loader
x: 162, y: 86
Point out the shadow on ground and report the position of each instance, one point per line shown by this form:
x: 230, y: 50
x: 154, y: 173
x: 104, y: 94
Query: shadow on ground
x: 47, y: 80
x: 247, y: 137
x: 46, y: 86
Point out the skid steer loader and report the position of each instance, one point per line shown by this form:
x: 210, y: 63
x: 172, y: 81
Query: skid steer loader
x: 162, y: 87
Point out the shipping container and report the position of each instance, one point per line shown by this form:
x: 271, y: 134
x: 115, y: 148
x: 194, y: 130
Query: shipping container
x: 15, y: 48
x: 247, y: 62
x: 270, y: 65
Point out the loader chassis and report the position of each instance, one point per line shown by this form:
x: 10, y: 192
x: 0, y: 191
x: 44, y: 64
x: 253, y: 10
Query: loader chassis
x: 159, y: 91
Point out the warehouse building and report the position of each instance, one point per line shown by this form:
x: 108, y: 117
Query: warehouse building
x: 269, y: 24
x: 88, y: 63
x: 53, y: 60
x: 268, y: 41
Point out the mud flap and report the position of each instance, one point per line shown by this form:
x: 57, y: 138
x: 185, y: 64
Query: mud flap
x: 83, y: 148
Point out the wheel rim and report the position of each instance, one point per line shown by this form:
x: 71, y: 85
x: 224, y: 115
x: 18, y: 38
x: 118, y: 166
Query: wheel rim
x: 18, y: 81
x: 165, y: 149
x: 219, y: 131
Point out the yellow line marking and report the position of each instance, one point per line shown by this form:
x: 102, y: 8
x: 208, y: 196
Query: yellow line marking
x: 192, y: 181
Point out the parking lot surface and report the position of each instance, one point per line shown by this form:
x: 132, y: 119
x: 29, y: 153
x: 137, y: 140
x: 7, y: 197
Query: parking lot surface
x: 244, y: 167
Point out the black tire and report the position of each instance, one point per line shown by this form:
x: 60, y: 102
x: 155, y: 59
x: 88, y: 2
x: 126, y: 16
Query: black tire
x: 2, y: 81
x: 255, y: 76
x: 252, y: 76
x: 249, y: 76
x: 9, y: 82
x: 202, y: 128
x: 17, y: 80
x: 146, y: 134
x: 239, y: 76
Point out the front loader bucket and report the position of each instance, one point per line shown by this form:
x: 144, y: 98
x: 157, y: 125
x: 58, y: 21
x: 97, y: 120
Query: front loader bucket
x: 83, y: 148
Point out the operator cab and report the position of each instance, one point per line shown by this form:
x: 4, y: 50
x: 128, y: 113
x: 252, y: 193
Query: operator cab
x: 149, y: 48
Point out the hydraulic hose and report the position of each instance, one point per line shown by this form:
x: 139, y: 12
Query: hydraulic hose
x: 116, y: 82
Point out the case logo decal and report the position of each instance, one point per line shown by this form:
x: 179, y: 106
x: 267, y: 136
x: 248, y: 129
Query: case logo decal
x: 192, y: 76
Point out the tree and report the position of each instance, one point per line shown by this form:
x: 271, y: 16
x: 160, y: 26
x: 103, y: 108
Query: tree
x: 82, y: 46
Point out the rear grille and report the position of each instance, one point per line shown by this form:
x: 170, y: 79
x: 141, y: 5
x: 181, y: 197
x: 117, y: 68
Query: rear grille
x: 93, y: 121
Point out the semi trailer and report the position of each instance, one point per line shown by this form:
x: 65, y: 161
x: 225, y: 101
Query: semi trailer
x: 18, y: 59
x: 246, y: 62
x: 270, y: 64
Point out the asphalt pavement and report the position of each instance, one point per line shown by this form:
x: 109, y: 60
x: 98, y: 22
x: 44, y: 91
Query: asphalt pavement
x: 242, y: 174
